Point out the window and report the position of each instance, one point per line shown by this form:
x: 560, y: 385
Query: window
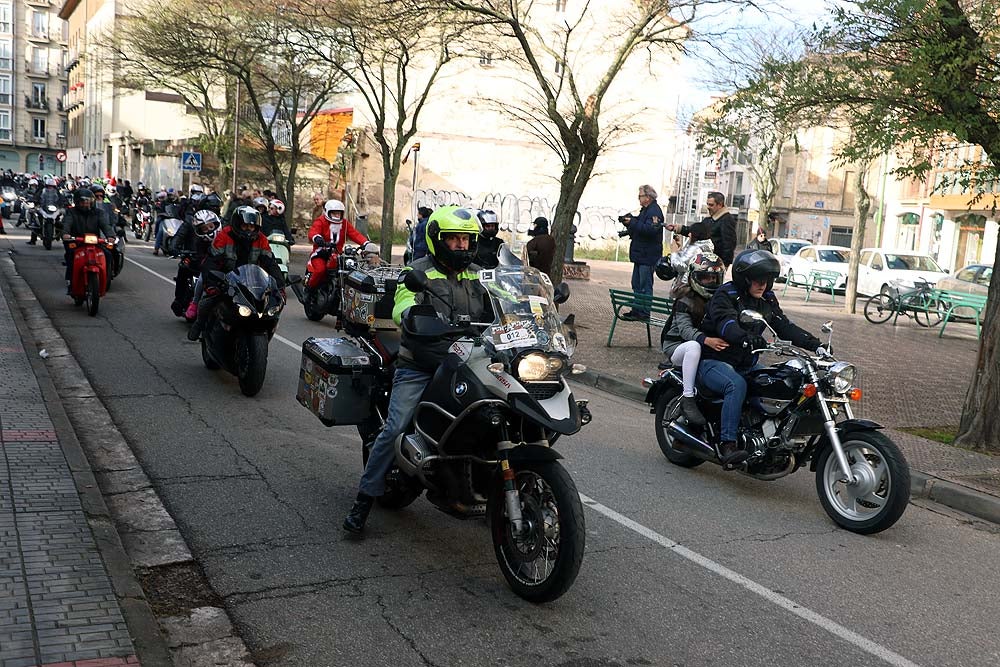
x: 786, y: 187
x: 985, y: 276
x: 6, y: 12
x: 5, y: 125
x: 968, y: 275
x: 39, y: 24
x: 834, y: 256
x: 6, y: 54
x: 38, y: 129
x: 39, y: 59
x: 5, y: 83
x: 38, y: 95
x: 485, y: 59
x: 877, y: 262
x: 865, y: 257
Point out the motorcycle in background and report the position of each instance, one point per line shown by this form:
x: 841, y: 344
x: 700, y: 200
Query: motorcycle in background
x: 325, y: 298
x: 89, y: 278
x: 170, y: 228
x: 51, y: 219
x: 796, y: 412
x: 142, y: 222
x: 281, y: 248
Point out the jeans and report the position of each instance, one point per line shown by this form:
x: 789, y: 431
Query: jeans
x: 642, y: 283
x: 407, y: 386
x: 721, y: 378
x: 159, y: 234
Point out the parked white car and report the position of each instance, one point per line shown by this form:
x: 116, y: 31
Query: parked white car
x: 819, y: 258
x: 879, y: 270
x: 784, y: 250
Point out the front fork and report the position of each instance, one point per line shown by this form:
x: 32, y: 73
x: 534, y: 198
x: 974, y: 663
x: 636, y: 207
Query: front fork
x: 830, y: 425
x: 509, y: 490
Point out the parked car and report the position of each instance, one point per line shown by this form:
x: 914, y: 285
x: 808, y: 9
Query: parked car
x: 784, y: 250
x: 972, y: 279
x: 878, y: 269
x: 819, y: 258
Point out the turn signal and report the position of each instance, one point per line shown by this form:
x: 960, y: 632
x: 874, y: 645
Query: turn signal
x: 809, y: 390
x: 854, y: 394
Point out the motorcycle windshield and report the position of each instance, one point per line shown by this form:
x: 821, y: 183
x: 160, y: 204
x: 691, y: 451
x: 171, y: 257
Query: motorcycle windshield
x: 253, y: 282
x: 49, y: 198
x: 526, y: 316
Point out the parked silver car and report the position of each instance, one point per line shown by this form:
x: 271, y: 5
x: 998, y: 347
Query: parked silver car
x: 971, y: 279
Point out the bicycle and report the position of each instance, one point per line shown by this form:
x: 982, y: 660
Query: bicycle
x: 918, y: 303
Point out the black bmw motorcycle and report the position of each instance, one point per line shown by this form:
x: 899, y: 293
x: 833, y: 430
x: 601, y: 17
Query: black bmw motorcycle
x: 796, y: 412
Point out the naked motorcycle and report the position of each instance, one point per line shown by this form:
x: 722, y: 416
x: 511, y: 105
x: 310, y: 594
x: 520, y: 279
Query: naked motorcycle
x: 797, y: 413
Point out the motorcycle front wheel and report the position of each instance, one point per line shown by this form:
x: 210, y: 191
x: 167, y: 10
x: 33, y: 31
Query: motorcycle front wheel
x: 251, y: 363
x: 666, y: 409
x: 541, y: 562
x: 47, y: 236
x: 882, y: 491
x: 93, y: 294
x: 209, y: 362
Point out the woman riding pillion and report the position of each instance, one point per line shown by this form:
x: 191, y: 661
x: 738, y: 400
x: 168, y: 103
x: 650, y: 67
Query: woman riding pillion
x: 454, y: 290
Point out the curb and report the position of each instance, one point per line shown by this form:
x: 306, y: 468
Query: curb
x: 112, y: 483
x: 922, y: 485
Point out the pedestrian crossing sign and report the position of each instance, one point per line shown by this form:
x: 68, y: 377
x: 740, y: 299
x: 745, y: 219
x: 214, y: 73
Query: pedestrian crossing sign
x: 190, y: 161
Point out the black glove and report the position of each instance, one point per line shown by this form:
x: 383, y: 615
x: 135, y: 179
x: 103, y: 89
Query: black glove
x: 755, y: 342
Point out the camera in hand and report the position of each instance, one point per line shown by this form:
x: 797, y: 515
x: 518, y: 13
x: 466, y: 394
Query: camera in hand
x: 622, y: 233
x: 624, y: 219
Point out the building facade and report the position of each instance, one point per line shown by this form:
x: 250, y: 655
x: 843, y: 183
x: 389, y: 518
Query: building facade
x: 33, y: 52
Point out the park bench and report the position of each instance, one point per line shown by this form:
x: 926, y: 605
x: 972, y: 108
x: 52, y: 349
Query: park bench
x: 815, y: 279
x: 659, y: 310
x: 954, y: 301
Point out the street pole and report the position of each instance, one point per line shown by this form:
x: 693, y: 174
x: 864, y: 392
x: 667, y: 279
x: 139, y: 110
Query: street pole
x: 236, y: 138
x: 413, y: 191
x: 881, y: 201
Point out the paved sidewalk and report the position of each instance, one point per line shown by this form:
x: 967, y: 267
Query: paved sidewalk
x: 57, y: 602
x: 908, y: 375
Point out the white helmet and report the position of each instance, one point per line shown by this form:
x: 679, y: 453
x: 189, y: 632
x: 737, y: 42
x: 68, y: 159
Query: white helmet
x: 50, y: 182
x: 111, y: 191
x: 206, y: 224
x: 278, y: 205
x: 32, y: 181
x: 259, y: 201
x: 333, y: 206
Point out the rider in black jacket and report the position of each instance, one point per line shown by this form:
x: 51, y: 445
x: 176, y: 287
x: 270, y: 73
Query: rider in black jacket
x: 487, y: 252
x: 194, y: 242
x: 723, y: 371
x: 85, y: 218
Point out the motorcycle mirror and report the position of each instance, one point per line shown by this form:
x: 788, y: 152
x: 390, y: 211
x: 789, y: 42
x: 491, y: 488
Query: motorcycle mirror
x: 827, y: 327
x: 561, y: 293
x: 750, y: 316
x: 415, y: 280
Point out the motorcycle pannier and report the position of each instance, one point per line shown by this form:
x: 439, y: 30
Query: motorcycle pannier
x: 369, y: 295
x: 335, y: 381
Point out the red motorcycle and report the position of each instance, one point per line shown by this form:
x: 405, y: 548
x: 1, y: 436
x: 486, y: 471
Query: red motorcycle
x: 89, y: 280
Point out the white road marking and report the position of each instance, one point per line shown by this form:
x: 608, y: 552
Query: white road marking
x: 819, y: 620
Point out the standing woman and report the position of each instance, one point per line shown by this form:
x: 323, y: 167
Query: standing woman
x: 760, y: 242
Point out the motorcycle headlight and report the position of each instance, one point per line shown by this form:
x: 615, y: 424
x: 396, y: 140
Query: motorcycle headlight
x: 244, y: 311
x: 539, y: 367
x: 841, y: 377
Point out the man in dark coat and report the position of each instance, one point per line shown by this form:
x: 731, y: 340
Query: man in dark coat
x: 542, y: 246
x: 646, y: 232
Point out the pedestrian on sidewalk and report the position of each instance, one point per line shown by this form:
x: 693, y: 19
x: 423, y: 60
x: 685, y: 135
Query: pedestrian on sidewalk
x: 760, y: 242
x: 646, y: 232
x: 542, y: 246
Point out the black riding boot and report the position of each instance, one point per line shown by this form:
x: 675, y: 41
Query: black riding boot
x: 356, y: 518
x: 689, y: 407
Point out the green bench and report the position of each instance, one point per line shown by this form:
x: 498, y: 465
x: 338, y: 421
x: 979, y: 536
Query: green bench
x: 659, y: 310
x: 953, y: 301
x: 816, y: 279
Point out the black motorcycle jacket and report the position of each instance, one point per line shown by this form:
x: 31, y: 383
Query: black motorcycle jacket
x: 276, y: 223
x: 487, y: 250
x: 93, y: 221
x: 454, y: 294
x: 187, y: 239
x: 722, y: 319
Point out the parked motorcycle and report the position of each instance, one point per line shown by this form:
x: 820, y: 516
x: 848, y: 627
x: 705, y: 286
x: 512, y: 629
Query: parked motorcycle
x: 245, y: 318
x: 796, y: 412
x: 89, y: 278
x: 482, y: 437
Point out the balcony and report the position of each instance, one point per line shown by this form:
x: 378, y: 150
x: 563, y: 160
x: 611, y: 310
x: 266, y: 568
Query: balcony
x: 36, y: 35
x: 36, y: 69
x: 38, y: 3
x: 72, y: 60
x: 49, y: 140
x: 36, y: 103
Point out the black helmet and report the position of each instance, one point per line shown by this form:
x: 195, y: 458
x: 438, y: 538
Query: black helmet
x: 488, y: 217
x: 212, y: 202
x: 664, y: 269
x: 755, y: 265
x: 242, y: 216
x: 706, y: 273
x: 97, y: 188
x: 540, y: 226
x: 81, y: 195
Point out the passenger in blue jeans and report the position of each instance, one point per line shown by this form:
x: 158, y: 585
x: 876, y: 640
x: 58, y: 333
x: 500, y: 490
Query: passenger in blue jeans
x: 723, y: 371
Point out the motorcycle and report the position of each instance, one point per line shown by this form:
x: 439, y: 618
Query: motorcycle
x: 326, y: 298
x: 482, y: 438
x: 281, y: 249
x: 31, y: 221
x: 796, y: 412
x: 89, y: 278
x: 170, y: 228
x: 242, y: 324
x: 188, y: 259
x: 142, y: 223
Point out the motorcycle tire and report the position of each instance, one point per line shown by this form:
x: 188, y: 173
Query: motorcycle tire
x: 251, y: 363
x: 311, y: 312
x: 546, y: 491
x: 93, y: 294
x: 889, y: 483
x: 399, y: 491
x: 210, y: 363
x: 665, y: 405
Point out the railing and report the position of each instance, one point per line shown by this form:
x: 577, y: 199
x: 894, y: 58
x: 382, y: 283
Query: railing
x: 41, y: 103
x: 35, y: 34
x: 49, y: 139
x: 36, y: 69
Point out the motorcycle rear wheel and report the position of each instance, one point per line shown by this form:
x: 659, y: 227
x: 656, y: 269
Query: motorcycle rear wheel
x: 542, y: 564
x: 666, y: 405
x: 884, y: 488
x: 251, y: 363
x: 93, y: 294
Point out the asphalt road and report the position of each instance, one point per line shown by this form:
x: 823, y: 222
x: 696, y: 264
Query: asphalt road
x: 259, y: 488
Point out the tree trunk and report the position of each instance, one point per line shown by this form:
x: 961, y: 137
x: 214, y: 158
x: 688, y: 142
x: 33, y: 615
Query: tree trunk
x: 391, y: 164
x: 862, y: 205
x: 576, y: 174
x: 980, y: 428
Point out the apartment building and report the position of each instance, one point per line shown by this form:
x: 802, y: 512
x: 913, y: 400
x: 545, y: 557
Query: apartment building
x: 33, y: 48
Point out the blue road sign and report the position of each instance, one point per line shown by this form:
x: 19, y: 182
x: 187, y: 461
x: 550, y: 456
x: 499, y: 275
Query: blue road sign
x: 190, y: 161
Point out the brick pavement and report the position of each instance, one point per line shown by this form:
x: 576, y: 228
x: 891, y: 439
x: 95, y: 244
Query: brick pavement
x: 57, y: 604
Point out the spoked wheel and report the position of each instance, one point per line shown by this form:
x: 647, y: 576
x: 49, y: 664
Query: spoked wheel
x: 541, y: 562
x: 92, y: 296
x: 882, y: 488
x: 400, y: 491
x: 880, y: 308
x: 667, y: 408
x: 934, y: 314
x: 251, y: 364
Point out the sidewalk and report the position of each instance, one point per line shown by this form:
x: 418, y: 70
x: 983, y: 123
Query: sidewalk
x: 57, y: 602
x: 909, y: 377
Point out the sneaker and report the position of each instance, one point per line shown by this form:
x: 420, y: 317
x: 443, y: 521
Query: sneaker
x: 731, y: 455
x: 356, y: 518
x: 689, y: 408
x: 192, y: 311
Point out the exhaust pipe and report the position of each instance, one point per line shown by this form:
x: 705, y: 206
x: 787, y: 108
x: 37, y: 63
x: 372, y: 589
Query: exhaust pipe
x: 691, y: 444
